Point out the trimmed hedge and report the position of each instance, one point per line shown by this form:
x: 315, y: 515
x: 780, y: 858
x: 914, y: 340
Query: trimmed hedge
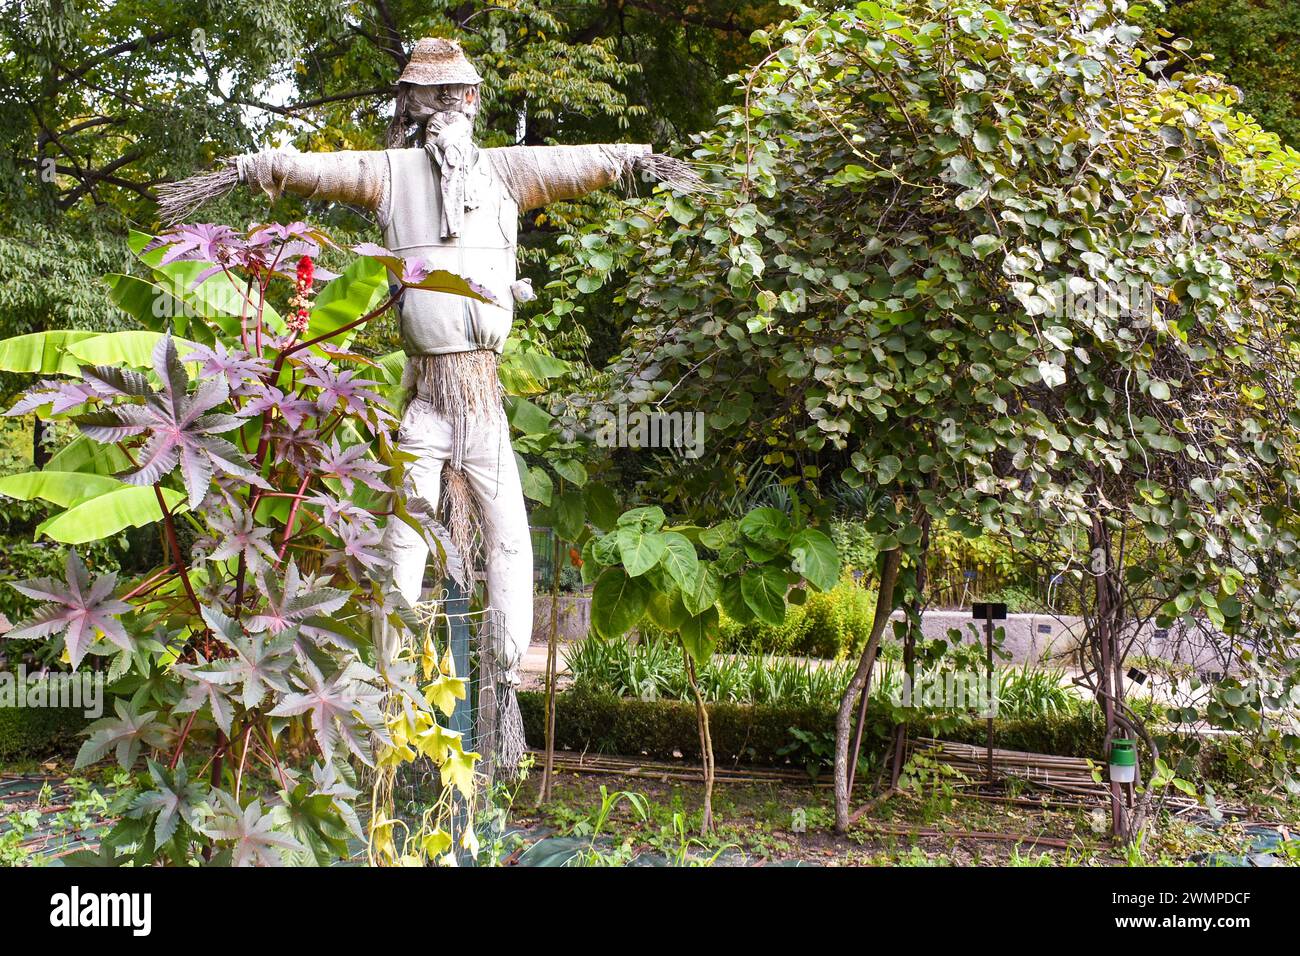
x: 37, y: 732
x: 663, y: 728
x: 757, y: 734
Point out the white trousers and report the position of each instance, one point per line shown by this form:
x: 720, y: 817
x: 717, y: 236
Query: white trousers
x: 489, y: 464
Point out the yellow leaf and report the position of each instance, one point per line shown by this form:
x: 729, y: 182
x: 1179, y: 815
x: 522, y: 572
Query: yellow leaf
x: 436, y: 843
x: 469, y: 840
x: 428, y: 656
x: 444, y: 692
x: 436, y: 743
x: 381, y: 838
x: 458, y: 771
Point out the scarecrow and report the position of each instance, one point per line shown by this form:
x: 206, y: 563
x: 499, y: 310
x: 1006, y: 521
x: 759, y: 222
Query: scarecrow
x: 455, y: 206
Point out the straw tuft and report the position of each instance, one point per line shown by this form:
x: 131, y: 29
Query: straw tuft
x: 179, y: 200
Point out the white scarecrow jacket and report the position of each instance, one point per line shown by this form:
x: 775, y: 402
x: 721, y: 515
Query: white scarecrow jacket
x: 402, y: 186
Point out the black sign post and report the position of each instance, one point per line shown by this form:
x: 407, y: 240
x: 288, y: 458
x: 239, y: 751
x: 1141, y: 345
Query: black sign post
x: 988, y: 613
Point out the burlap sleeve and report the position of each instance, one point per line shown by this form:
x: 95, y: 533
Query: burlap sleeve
x: 351, y: 176
x: 537, y: 175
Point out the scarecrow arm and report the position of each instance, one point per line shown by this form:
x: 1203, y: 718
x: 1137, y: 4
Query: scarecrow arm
x: 538, y: 175
x: 351, y: 176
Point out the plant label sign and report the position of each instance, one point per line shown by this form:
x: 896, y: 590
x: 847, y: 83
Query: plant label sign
x: 988, y: 611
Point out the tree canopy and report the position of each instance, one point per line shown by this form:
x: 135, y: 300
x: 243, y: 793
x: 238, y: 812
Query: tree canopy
x: 1013, y: 269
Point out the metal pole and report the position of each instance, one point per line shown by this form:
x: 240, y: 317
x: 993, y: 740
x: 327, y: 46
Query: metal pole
x: 462, y: 716
x: 988, y: 643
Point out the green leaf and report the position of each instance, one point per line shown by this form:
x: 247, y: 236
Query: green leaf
x: 62, y: 488
x: 570, y: 514
x: 602, y: 506
x: 764, y: 592
x: 591, y: 565
x: 134, y: 348
x: 733, y: 600
x: 360, y: 288
x: 618, y: 602
x: 525, y: 370
x: 769, y: 528
x: 699, y: 635
x: 984, y: 244
x: 571, y: 470
x: 130, y: 506
x: 151, y: 305
x: 526, y: 417
x: 704, y: 590
x: 391, y: 367
x: 816, y: 558
x: 887, y: 469
x: 87, y: 456
x: 44, y: 353
x: 643, y: 519
x: 536, y: 482
x: 972, y: 197
x: 680, y: 560
x: 986, y: 138
x: 667, y: 610
x: 719, y: 536
x: 1051, y: 374
x: 640, y: 551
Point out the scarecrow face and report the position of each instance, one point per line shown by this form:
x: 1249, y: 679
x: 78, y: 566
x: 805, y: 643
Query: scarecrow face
x: 423, y: 103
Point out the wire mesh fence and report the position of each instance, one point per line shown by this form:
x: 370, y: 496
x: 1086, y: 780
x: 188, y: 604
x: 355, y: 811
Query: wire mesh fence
x: 465, y: 634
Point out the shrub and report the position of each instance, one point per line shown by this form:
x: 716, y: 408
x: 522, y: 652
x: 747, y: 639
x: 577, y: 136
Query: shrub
x: 37, y: 732
x: 1032, y: 692
x: 778, y: 735
x: 655, y: 668
x: 666, y: 729
x: 761, y: 734
x: 248, y: 653
x: 830, y: 624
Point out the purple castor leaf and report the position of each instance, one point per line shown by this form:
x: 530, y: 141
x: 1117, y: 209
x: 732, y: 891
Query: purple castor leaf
x: 181, y: 429
x: 79, y: 609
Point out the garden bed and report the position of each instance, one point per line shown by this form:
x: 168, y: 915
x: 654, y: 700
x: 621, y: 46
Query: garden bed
x: 765, y: 823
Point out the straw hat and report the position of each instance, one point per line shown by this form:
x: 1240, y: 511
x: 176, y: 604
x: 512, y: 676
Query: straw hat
x: 437, y: 62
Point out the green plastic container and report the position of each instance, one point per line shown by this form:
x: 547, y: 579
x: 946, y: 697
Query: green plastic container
x: 1123, y: 760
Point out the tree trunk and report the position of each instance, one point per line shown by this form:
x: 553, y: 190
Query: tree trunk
x: 909, y: 650
x: 40, y: 450
x: 706, y: 744
x: 1109, y: 683
x: 859, y: 685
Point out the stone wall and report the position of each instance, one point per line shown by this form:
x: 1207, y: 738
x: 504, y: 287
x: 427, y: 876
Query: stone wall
x: 1053, y: 640
x: 574, y: 619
